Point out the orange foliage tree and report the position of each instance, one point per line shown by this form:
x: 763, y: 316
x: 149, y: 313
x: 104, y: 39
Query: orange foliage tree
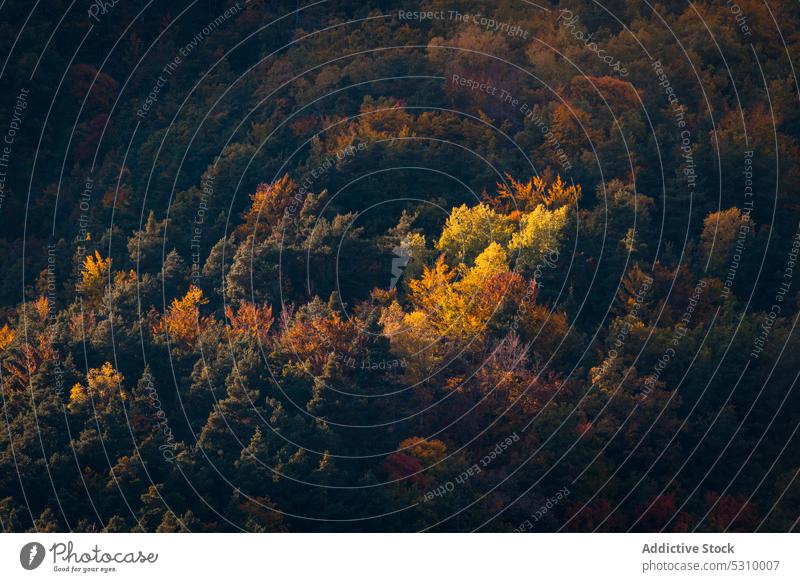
x: 268, y: 204
x: 526, y: 196
x: 181, y: 322
x: 250, y: 320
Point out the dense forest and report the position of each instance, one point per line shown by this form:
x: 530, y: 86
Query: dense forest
x: 399, y: 266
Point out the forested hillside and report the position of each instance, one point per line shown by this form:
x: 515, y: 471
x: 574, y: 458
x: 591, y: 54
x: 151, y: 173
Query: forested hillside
x: 399, y: 266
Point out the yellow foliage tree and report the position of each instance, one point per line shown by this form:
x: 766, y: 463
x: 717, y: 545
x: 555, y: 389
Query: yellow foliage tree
x: 540, y: 234
x: 7, y: 336
x: 101, y: 383
x: 94, y: 275
x: 492, y: 261
x: 469, y: 230
x: 461, y: 308
x: 78, y: 396
x: 433, y: 295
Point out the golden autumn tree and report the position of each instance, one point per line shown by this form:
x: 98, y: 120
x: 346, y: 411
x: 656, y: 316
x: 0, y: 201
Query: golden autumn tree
x: 181, y: 322
x: 541, y: 233
x: 435, y: 300
x: 469, y: 230
x: 102, y: 383
x: 94, y: 276
x: 487, y: 290
x: 7, y: 336
x: 492, y: 261
x: 458, y: 303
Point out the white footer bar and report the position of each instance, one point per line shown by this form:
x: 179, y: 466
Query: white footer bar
x: 401, y: 557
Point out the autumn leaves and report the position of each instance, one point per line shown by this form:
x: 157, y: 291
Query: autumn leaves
x: 488, y: 255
